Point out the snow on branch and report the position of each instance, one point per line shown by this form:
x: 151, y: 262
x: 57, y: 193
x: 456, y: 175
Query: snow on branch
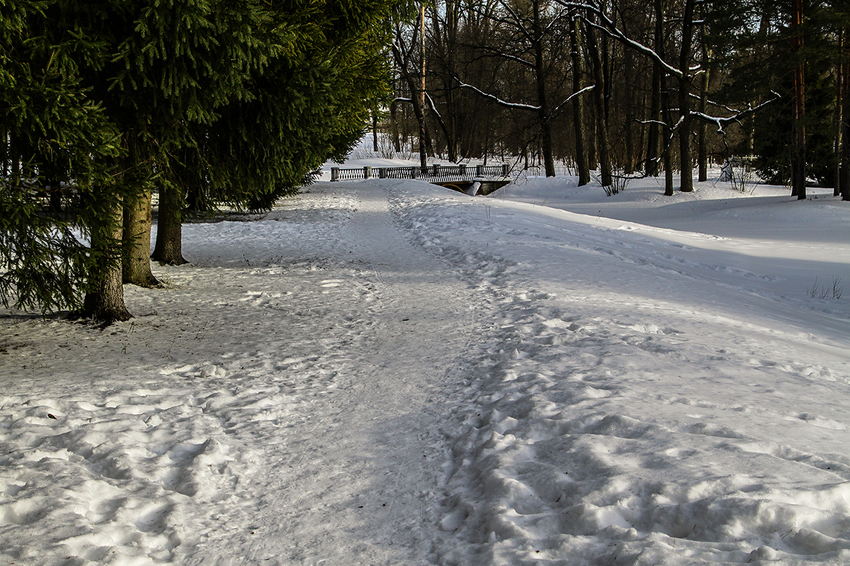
x: 433, y: 106
x: 607, y: 26
x: 723, y: 122
x: 570, y: 97
x: 497, y: 100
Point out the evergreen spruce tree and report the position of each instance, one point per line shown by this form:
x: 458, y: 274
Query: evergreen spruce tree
x: 235, y: 100
x: 53, y: 124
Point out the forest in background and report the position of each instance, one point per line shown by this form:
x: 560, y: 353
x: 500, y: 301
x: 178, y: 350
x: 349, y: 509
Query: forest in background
x: 628, y: 87
x: 209, y: 102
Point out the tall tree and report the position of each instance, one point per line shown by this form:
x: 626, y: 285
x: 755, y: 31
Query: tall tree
x: 599, y: 105
x: 686, y: 174
x: 128, y: 93
x: 798, y: 170
x: 54, y: 122
x: 579, y: 122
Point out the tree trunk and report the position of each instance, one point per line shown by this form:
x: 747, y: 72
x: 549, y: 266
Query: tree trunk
x: 702, y: 151
x: 652, y: 143
x: 664, y: 100
x: 444, y: 38
x: 798, y: 169
x: 668, y: 141
x: 137, y: 242
x: 598, y: 98
x: 629, y: 111
x: 424, y: 138
x: 394, y: 122
x: 839, y: 112
x: 542, y: 101
x: 104, y: 299
x: 845, y: 146
x: 375, y: 131
x: 578, y: 107
x: 169, y: 233
x: 686, y: 175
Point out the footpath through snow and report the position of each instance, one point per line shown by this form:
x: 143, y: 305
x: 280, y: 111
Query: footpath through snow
x: 390, y: 373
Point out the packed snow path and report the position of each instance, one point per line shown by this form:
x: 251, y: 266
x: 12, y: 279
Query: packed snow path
x: 283, y: 408
x: 391, y: 373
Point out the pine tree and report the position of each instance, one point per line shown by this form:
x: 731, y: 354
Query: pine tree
x: 116, y: 97
x: 54, y: 124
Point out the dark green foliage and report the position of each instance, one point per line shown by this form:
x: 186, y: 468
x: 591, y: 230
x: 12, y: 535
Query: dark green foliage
x: 752, y: 44
x: 52, y: 127
x: 43, y: 262
x: 772, y: 144
x: 301, y: 109
x: 232, y: 101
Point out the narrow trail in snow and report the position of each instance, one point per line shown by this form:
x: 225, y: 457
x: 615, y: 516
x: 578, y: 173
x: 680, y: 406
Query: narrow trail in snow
x: 361, y: 487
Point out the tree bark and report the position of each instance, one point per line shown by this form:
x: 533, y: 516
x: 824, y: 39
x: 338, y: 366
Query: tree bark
x: 444, y: 39
x: 598, y: 98
x: 424, y: 138
x: 542, y: 100
x: 375, y: 131
x: 578, y: 107
x: 845, y: 146
x: 686, y: 175
x: 702, y: 149
x: 136, y: 266
x: 798, y: 169
x: 404, y: 58
x: 653, y: 136
x: 104, y: 299
x: 169, y: 233
x: 840, y: 140
x: 668, y: 143
x: 394, y: 122
x: 629, y: 111
x: 664, y: 100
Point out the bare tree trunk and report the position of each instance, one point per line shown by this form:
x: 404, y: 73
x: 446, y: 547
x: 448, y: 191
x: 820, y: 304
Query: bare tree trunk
x: 686, y: 175
x: 598, y: 97
x: 136, y: 266
x: 542, y: 101
x: 664, y: 100
x: 839, y: 113
x: 424, y: 138
x: 394, y: 122
x: 629, y: 111
x: 578, y: 107
x: 375, y: 131
x: 404, y: 56
x: 444, y: 39
x: 845, y: 149
x: 104, y: 299
x: 668, y: 142
x: 798, y: 169
x: 702, y: 151
x: 169, y: 233
x: 655, y: 105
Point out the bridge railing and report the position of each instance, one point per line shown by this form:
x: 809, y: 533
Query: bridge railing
x: 436, y: 172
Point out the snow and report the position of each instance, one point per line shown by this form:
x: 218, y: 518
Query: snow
x: 388, y: 372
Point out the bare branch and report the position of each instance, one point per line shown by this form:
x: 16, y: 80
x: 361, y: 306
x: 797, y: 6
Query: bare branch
x: 433, y: 106
x: 497, y: 100
x: 723, y: 122
x: 569, y: 98
x: 614, y: 32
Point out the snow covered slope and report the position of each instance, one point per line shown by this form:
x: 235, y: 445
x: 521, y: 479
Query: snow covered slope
x: 391, y: 373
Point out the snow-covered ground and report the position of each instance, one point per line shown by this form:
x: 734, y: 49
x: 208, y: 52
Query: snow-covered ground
x: 388, y: 372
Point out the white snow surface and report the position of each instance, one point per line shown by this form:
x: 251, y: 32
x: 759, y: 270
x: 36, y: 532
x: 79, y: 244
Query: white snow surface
x: 388, y: 372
